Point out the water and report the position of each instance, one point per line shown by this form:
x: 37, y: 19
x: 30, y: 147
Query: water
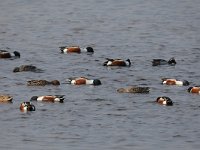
x: 99, y: 117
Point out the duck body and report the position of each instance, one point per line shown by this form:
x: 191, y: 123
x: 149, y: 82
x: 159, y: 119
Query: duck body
x: 49, y: 98
x: 134, y: 89
x: 194, y: 89
x: 164, y: 100
x: 83, y: 81
x: 75, y: 49
x: 42, y: 82
x: 157, y: 62
x: 26, y: 68
x: 27, y: 106
x: 117, y: 62
x: 5, y: 98
x: 6, y: 54
x: 169, y: 81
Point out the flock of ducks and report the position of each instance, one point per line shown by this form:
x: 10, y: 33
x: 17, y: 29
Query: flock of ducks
x: 28, y: 106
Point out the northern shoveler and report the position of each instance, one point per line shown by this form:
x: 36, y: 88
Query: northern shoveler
x: 27, y: 106
x: 194, y: 89
x: 117, y: 62
x: 75, y: 49
x: 169, y: 81
x: 5, y: 98
x: 157, y: 62
x: 6, y: 54
x: 164, y: 101
x: 26, y: 68
x: 49, y: 98
x: 83, y: 80
x: 42, y: 82
x: 134, y: 89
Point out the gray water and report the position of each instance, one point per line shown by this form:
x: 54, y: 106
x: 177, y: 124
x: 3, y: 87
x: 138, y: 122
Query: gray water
x: 96, y: 118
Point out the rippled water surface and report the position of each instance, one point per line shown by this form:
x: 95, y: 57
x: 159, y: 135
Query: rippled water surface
x: 96, y: 118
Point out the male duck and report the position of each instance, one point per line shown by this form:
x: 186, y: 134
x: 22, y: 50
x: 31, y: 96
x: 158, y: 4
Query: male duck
x: 26, y: 68
x: 157, y: 62
x: 5, y: 98
x: 49, y: 98
x: 134, y: 89
x: 194, y: 89
x: 75, y: 49
x: 175, y: 82
x: 164, y: 101
x: 83, y: 80
x: 42, y: 82
x: 6, y: 54
x: 117, y: 62
x: 27, y: 106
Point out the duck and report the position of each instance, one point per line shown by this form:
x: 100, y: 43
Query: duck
x: 42, y: 82
x: 169, y: 81
x: 26, y: 68
x: 157, y: 62
x: 6, y: 54
x: 194, y: 89
x: 83, y: 81
x: 26, y: 106
x: 75, y: 49
x: 164, y: 100
x: 117, y: 62
x: 134, y: 89
x: 48, y: 98
x: 6, y: 98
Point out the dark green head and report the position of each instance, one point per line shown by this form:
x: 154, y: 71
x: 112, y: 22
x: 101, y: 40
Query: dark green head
x: 97, y: 82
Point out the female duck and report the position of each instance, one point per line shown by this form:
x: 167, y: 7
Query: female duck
x: 5, y: 98
x: 49, y: 98
x: 42, y: 82
x: 83, y: 80
x: 117, y: 62
x: 26, y: 68
x: 134, y: 89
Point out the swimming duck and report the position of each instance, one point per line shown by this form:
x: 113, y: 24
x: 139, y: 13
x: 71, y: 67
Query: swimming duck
x: 6, y: 54
x: 157, y: 62
x: 27, y: 106
x: 175, y: 82
x: 134, y: 89
x: 83, y: 80
x: 49, y: 98
x: 5, y: 98
x: 75, y: 49
x: 26, y: 68
x: 42, y: 82
x: 164, y: 101
x: 194, y: 89
x: 117, y: 62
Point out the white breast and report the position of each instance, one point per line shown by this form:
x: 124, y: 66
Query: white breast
x: 90, y: 82
x: 40, y: 98
x: 179, y: 83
